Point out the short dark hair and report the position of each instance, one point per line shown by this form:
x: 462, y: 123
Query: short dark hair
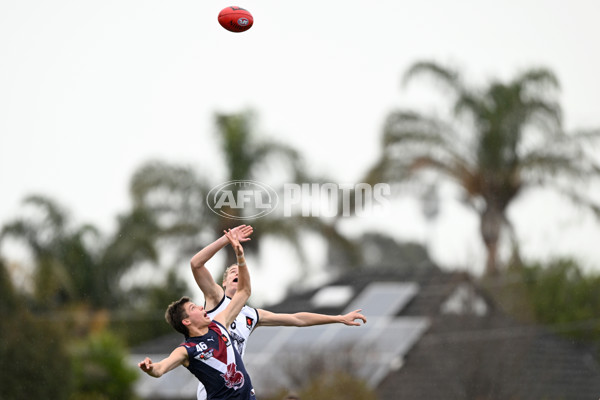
x: 176, y: 313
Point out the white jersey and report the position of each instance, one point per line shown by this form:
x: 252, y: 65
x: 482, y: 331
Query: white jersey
x: 239, y: 330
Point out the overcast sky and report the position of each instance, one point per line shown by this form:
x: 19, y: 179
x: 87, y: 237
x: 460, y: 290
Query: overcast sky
x: 91, y: 89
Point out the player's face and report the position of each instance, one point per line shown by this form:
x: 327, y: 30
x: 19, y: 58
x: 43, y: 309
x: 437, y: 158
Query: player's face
x: 196, y: 314
x: 231, y: 281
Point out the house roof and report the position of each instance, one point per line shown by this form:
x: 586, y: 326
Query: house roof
x: 431, y: 334
x: 493, y: 358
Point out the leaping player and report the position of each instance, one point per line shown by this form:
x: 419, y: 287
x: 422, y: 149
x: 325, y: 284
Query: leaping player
x: 208, y: 352
x: 218, y: 298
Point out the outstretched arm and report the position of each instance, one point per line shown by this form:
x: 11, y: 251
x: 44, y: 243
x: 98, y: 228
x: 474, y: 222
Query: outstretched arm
x: 176, y: 358
x: 267, y: 318
x: 213, y: 293
x: 228, y: 315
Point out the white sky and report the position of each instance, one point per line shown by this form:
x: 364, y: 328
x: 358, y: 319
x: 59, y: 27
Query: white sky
x: 91, y: 89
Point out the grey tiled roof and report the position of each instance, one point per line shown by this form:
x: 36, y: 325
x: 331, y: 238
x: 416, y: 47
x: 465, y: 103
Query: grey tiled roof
x: 493, y: 358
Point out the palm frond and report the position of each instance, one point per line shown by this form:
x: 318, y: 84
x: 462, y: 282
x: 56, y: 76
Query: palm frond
x: 377, y: 173
x: 54, y: 214
x: 586, y: 136
x: 577, y: 199
x: 19, y: 229
x: 547, y: 115
x: 265, y: 152
x: 403, y: 126
x: 548, y: 164
x: 538, y: 77
x: 470, y: 102
x: 157, y: 175
x: 441, y: 74
x: 415, y: 142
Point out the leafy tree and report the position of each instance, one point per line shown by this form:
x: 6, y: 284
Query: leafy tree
x: 144, y: 318
x: 75, y: 264
x: 504, y: 138
x: 34, y: 362
x: 132, y: 244
x: 101, y: 369
x: 564, y: 297
x: 66, y: 261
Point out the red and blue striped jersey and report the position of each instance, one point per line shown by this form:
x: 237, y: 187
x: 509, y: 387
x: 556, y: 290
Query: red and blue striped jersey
x: 216, y: 363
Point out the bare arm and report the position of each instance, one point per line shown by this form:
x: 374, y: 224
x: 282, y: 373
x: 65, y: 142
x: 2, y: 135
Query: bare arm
x: 213, y: 293
x: 228, y: 315
x: 176, y: 358
x: 267, y: 318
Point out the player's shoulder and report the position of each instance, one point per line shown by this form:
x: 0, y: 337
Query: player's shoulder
x: 216, y: 306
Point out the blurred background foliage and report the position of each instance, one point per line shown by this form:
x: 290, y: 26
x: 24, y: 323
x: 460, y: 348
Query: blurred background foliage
x: 67, y: 315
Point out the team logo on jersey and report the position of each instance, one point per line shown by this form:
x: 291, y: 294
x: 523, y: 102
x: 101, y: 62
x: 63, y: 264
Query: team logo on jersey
x: 205, y: 355
x: 249, y: 322
x: 234, y: 379
x: 226, y: 339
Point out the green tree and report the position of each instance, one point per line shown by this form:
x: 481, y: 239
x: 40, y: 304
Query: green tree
x: 76, y: 265
x: 101, y: 369
x: 503, y: 138
x: 133, y: 244
x: 76, y: 276
x: 65, y: 256
x: 564, y: 297
x: 144, y: 318
x: 34, y: 361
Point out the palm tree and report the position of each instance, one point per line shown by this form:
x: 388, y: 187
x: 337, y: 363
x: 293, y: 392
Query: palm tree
x: 504, y: 138
x: 65, y: 262
x: 75, y: 264
x: 176, y: 195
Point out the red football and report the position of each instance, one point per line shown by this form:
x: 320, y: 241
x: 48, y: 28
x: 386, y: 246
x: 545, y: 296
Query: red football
x: 235, y: 19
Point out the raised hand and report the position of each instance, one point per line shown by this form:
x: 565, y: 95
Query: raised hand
x: 233, y: 236
x: 243, y: 232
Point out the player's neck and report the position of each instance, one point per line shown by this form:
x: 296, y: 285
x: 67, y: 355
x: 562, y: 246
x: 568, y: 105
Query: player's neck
x: 230, y: 292
x: 194, y: 331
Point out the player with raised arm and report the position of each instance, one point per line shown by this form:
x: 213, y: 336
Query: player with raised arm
x: 207, y: 351
x: 217, y: 298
